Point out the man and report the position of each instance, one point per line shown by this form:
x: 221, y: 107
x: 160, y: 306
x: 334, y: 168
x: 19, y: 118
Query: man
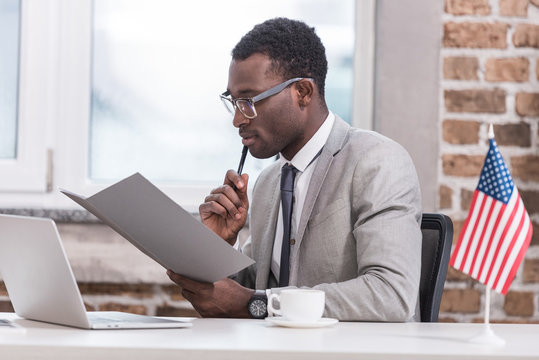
x: 355, y: 206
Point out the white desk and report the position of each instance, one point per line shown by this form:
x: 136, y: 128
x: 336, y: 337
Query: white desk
x: 258, y: 340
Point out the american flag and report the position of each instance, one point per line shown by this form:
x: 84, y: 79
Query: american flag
x: 497, y: 231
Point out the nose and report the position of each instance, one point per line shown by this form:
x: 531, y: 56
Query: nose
x: 240, y: 119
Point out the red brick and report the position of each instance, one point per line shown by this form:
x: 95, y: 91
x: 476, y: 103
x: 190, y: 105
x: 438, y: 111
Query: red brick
x: 475, y: 101
x: 134, y: 309
x: 462, y: 165
x: 535, y: 235
x: 511, y: 69
x: 519, y: 303
x: 460, y: 68
x: 89, y: 307
x: 513, y: 134
x: 466, y: 197
x: 167, y: 310
x: 506, y: 321
x: 446, y: 319
x: 527, y: 104
x: 457, y: 227
x: 445, y: 193
x: 174, y: 292
x: 5, y: 306
x: 467, y: 7
x: 531, y: 200
x: 525, y: 167
x: 475, y: 35
x: 456, y: 275
x: 514, y: 8
x: 460, y: 300
x: 460, y: 131
x: 526, y: 35
x: 131, y: 290
x: 531, y: 271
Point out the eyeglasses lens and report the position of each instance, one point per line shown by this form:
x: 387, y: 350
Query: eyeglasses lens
x: 246, y: 108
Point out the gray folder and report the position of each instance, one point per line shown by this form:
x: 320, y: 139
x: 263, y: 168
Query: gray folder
x: 163, y: 230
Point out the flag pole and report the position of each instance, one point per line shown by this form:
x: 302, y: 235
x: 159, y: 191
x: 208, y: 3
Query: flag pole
x: 487, y: 336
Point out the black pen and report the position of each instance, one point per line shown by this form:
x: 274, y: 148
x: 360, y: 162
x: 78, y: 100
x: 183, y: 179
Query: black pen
x: 242, y: 160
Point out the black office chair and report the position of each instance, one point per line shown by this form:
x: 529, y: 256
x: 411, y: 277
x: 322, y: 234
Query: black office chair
x: 437, y: 230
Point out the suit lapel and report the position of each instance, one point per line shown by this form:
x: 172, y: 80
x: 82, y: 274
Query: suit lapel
x: 333, y: 145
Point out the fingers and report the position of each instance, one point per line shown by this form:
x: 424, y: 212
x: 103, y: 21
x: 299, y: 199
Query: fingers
x: 222, y: 298
x: 189, y: 295
x: 242, y: 193
x: 230, y: 199
x: 239, y: 185
x: 233, y: 179
x: 187, y: 284
x: 224, y: 200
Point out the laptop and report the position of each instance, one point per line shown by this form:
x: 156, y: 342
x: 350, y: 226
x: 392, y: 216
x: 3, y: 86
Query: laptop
x: 41, y: 284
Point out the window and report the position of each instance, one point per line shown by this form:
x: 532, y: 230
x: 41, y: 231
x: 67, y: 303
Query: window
x: 158, y: 69
x: 110, y: 87
x: 9, y: 72
x: 23, y: 101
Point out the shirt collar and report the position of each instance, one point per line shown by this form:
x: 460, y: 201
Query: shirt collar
x: 305, y: 155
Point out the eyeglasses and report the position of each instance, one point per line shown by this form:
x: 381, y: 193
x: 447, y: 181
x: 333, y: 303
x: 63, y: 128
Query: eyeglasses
x: 247, y: 105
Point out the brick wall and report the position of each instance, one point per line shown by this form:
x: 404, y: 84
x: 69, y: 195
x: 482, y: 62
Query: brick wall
x: 490, y: 74
x: 146, y: 299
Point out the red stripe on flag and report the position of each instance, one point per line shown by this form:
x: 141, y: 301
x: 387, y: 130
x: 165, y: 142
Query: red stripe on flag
x: 482, y: 236
x: 461, y: 236
x: 518, y: 259
x: 511, y: 246
x: 472, y: 235
x: 490, y: 240
x: 504, y: 233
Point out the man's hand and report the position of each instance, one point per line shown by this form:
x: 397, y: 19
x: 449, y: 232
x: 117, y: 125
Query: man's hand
x: 225, y: 209
x: 224, y: 298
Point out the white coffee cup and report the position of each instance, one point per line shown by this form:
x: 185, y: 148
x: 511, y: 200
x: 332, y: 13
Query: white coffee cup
x: 301, y: 305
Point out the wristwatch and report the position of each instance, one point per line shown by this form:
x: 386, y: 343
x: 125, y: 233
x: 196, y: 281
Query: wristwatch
x: 258, y: 305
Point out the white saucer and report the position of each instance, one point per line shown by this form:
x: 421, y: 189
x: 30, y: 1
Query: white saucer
x: 277, y: 320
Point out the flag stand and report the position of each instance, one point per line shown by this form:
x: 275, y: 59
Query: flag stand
x: 487, y: 336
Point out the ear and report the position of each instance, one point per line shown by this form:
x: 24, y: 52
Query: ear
x: 305, y: 92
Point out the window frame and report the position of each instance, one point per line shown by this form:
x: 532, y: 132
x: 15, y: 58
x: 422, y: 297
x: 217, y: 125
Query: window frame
x: 27, y: 171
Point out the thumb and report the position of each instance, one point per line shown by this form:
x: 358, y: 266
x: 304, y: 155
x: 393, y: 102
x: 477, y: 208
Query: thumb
x: 242, y: 193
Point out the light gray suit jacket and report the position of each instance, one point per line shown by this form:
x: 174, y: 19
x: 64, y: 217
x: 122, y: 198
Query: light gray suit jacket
x: 358, y: 237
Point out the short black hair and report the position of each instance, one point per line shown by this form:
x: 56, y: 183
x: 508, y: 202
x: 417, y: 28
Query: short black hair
x: 293, y: 47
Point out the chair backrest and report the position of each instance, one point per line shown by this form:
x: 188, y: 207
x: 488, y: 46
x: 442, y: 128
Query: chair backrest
x: 437, y: 230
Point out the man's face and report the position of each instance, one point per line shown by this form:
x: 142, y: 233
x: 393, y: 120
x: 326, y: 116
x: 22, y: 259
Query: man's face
x: 278, y: 126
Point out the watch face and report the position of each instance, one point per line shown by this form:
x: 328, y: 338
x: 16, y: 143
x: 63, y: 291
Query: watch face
x: 257, y: 308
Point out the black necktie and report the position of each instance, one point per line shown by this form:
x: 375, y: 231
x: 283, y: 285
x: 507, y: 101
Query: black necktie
x: 288, y: 174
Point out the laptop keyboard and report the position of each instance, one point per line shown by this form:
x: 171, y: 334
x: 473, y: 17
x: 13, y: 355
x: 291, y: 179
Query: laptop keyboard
x: 106, y: 320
